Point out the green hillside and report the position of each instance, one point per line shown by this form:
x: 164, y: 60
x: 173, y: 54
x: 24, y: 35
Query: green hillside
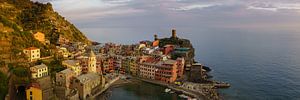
x: 19, y: 19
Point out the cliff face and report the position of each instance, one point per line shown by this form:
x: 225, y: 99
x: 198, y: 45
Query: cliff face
x: 19, y: 19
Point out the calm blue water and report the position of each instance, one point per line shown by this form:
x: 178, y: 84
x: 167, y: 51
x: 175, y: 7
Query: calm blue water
x: 142, y: 91
x: 260, y: 65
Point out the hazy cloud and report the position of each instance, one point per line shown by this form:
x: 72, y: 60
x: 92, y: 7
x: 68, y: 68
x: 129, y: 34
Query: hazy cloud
x: 157, y: 14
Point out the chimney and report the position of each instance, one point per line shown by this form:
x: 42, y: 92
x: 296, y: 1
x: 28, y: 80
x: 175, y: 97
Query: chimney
x: 174, y: 33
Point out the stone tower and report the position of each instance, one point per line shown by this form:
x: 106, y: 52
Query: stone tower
x: 155, y: 37
x: 92, y: 63
x: 174, y: 33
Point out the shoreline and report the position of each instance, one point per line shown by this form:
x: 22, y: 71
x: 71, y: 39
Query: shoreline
x: 190, y: 93
x: 136, y: 80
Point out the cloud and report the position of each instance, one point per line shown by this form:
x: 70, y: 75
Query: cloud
x: 196, y: 14
x: 262, y: 8
x: 194, y: 6
x: 275, y: 6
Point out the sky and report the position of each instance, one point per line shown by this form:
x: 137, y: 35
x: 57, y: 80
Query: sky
x: 136, y: 17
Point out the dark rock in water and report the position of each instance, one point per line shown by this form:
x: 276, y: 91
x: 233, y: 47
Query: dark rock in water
x: 209, y: 76
x: 206, y: 68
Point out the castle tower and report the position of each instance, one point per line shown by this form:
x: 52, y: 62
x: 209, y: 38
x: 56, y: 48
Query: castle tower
x: 92, y: 63
x: 155, y: 37
x: 174, y: 33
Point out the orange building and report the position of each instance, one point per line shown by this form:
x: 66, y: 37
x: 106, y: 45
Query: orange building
x: 166, y: 71
x: 180, y: 67
x: 158, y: 69
x: 147, y: 67
x: 40, y: 37
x: 155, y: 43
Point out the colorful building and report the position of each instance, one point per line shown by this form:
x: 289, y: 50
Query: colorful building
x: 147, y: 66
x: 155, y: 43
x: 32, y: 53
x: 34, y: 92
x: 133, y: 66
x: 166, y: 71
x: 86, y: 84
x: 92, y: 68
x: 39, y: 71
x: 180, y: 67
x: 74, y: 65
x: 167, y: 49
x: 63, y: 83
x: 40, y: 37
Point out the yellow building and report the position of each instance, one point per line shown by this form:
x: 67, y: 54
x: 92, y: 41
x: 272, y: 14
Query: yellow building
x: 64, y: 52
x: 34, y: 92
x: 133, y: 67
x: 32, y: 53
x: 40, y: 37
x: 39, y: 71
x: 74, y: 65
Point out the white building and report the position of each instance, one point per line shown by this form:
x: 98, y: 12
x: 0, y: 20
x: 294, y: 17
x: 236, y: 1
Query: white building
x: 39, y: 71
x: 32, y: 53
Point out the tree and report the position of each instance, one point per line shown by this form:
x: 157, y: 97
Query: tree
x: 20, y: 72
x: 3, y: 85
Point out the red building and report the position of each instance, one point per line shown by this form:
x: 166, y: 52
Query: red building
x: 168, y: 49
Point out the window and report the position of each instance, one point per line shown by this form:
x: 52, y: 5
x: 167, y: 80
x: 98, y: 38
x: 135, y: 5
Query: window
x: 30, y: 92
x: 31, y: 98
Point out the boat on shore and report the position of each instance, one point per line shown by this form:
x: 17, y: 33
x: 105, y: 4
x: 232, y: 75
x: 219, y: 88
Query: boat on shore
x: 167, y: 90
x: 184, y: 96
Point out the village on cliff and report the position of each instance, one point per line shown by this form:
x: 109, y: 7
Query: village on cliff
x: 88, y: 70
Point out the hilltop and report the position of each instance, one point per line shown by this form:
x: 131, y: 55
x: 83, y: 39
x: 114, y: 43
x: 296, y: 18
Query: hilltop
x: 182, y: 43
x: 20, y: 19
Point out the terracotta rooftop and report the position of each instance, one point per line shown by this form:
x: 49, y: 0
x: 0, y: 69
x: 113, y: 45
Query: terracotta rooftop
x: 40, y: 66
x: 31, y: 48
x: 35, y: 85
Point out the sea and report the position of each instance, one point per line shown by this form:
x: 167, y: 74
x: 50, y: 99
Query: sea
x: 259, y: 64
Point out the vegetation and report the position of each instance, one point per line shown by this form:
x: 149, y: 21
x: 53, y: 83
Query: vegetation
x: 3, y: 85
x: 179, y: 42
x: 21, y: 71
x: 20, y: 19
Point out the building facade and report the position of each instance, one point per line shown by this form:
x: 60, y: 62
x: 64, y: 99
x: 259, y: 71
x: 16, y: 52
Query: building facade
x: 63, y: 83
x: 34, y: 92
x: 74, y: 65
x: 92, y: 66
x: 32, y: 53
x: 39, y: 71
x: 166, y: 71
x: 86, y: 84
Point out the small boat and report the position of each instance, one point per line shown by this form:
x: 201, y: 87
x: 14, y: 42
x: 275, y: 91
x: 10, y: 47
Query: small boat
x: 172, y: 92
x: 184, y: 96
x: 167, y: 90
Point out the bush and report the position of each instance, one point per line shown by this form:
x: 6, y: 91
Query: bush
x: 20, y: 72
x: 3, y: 85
